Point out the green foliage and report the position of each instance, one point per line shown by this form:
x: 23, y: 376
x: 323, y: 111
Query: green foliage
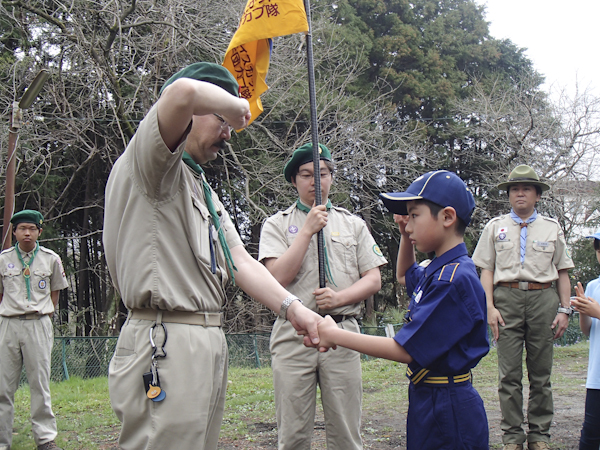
x: 585, y: 260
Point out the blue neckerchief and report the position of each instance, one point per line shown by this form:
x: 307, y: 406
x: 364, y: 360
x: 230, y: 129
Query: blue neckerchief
x: 523, y: 240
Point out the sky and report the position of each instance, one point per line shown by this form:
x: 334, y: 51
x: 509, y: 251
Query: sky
x: 562, y: 38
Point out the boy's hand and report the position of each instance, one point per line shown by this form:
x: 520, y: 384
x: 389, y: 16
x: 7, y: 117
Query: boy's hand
x: 316, y: 219
x: 327, y: 328
x: 585, y: 305
x: 401, y: 221
x: 326, y: 298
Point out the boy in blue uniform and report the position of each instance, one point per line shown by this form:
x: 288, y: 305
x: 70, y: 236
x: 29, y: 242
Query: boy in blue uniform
x: 446, y: 331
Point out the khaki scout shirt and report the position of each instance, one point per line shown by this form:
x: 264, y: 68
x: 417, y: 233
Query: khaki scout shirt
x: 156, y: 229
x: 499, y: 250
x: 47, y: 275
x: 350, y: 248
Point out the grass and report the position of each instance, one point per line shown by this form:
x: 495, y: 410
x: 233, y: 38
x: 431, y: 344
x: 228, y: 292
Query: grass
x: 87, y: 422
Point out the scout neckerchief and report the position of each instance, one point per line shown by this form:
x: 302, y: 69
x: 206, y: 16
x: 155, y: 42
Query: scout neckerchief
x: 302, y: 207
x: 26, y: 271
x: 213, y: 213
x: 523, y: 224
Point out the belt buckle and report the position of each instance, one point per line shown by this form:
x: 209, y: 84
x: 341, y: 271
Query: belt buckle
x: 524, y: 285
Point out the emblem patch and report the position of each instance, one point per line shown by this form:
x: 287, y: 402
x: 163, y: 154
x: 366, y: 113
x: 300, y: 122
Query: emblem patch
x: 11, y: 266
x: 377, y: 250
x: 293, y: 229
x: 502, y: 234
x: 418, y: 296
x: 42, y: 284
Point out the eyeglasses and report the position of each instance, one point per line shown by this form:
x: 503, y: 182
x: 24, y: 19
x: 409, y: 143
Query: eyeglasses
x: 224, y: 124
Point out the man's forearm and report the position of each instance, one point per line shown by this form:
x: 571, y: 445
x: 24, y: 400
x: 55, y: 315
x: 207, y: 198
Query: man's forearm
x: 487, y: 282
x: 563, y: 287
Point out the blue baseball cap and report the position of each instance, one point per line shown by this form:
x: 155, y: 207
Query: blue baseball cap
x: 596, y: 235
x: 441, y: 187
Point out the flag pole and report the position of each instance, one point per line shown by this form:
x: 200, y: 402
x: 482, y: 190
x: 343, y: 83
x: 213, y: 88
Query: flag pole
x: 315, y: 140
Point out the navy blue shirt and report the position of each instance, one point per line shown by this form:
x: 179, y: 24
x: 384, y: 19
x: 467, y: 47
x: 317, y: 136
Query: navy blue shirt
x: 447, y: 328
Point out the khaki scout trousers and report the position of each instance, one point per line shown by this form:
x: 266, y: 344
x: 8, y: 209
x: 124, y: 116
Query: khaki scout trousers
x: 528, y: 316
x: 193, y: 376
x: 29, y: 343
x: 296, y: 372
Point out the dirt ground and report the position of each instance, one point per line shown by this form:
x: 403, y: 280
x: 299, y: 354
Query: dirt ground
x: 389, y: 431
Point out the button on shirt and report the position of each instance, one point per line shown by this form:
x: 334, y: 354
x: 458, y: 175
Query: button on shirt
x: 447, y: 331
x: 47, y: 275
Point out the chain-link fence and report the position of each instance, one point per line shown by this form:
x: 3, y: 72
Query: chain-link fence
x: 88, y: 357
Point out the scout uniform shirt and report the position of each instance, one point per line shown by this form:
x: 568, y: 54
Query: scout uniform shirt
x: 157, y: 233
x: 351, y: 250
x: 46, y: 275
x: 498, y: 250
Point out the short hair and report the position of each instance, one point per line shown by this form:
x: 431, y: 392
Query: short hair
x: 328, y: 164
x: 596, y: 244
x: 435, y: 209
x: 538, y: 189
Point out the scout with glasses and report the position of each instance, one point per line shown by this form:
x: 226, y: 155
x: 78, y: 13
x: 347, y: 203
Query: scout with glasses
x: 288, y: 248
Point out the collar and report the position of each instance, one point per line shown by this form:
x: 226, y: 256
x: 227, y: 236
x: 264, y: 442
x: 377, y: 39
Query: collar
x: 186, y: 158
x: 517, y: 219
x: 439, y: 262
x: 302, y: 207
x: 25, y: 254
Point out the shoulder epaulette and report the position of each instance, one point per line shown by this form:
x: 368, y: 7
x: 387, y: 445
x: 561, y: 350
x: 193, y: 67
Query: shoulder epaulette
x: 447, y: 272
x: 342, y: 210
x: 9, y: 249
x: 289, y: 210
x: 47, y: 250
x: 549, y: 219
x: 497, y: 218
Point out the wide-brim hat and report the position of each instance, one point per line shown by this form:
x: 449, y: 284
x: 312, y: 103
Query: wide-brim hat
x: 441, y: 187
x: 303, y: 155
x: 27, y: 216
x: 523, y: 174
x: 210, y: 72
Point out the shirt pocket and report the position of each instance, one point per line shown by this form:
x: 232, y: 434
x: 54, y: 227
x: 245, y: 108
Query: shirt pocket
x: 342, y: 254
x: 543, y: 254
x: 507, y: 255
x: 40, y: 280
x: 203, y: 232
x: 11, y: 281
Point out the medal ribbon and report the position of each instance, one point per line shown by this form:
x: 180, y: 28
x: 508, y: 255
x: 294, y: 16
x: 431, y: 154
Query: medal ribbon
x: 26, y: 271
x: 213, y: 213
x: 302, y: 207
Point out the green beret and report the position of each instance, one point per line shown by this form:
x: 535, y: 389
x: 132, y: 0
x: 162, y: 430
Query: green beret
x: 304, y: 155
x: 27, y: 216
x: 210, y: 72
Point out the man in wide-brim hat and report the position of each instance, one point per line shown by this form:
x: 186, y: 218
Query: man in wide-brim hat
x: 524, y: 271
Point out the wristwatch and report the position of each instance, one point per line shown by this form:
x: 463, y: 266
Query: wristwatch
x: 568, y: 311
x: 286, y: 304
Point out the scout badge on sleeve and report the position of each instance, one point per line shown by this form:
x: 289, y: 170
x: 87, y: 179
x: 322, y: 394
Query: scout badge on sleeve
x: 151, y: 379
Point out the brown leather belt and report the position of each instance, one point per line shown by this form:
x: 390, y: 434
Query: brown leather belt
x: 205, y: 319
x: 524, y: 285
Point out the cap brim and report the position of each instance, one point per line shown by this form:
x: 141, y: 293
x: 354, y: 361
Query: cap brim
x: 595, y: 236
x: 395, y: 202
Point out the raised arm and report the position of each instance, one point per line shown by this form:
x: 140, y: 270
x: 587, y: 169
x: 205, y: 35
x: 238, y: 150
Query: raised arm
x: 186, y: 98
x: 406, y: 252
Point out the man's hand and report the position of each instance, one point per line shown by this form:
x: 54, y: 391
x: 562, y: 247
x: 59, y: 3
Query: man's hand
x: 327, y: 298
x: 315, y: 220
x: 305, y: 322
x: 238, y: 113
x: 560, y: 324
x: 495, y: 318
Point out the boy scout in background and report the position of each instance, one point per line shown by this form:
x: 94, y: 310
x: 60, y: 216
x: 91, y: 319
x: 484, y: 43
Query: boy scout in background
x: 31, y: 277
x: 446, y: 331
x: 521, y: 254
x: 171, y: 249
x: 288, y: 248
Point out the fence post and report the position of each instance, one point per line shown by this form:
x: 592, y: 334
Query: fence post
x: 64, y: 360
x: 257, y: 356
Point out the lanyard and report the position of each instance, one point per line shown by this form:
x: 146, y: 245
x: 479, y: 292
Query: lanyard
x: 26, y: 271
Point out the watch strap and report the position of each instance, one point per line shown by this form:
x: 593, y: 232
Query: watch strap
x: 286, y: 304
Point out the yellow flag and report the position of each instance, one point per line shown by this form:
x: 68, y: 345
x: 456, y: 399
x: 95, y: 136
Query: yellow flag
x: 249, y: 51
